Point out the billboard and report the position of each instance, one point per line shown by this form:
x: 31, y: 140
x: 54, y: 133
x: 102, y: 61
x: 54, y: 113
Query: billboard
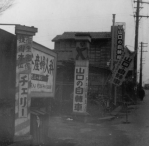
x: 80, y: 87
x: 43, y: 71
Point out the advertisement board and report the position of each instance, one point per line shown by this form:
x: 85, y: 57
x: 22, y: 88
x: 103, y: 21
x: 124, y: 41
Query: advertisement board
x: 23, y: 69
x: 122, y: 67
x: 119, y: 40
x: 43, y: 71
x: 80, y: 87
x: 24, y: 35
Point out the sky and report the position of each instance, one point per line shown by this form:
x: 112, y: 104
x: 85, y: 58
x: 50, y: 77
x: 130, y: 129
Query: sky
x: 53, y: 17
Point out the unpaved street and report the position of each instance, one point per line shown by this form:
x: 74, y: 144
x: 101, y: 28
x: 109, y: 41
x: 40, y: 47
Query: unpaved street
x: 138, y: 129
x: 68, y: 132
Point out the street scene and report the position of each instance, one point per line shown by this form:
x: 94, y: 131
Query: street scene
x: 74, y: 73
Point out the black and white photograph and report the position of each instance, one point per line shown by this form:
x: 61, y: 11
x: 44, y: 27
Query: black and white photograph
x: 74, y: 73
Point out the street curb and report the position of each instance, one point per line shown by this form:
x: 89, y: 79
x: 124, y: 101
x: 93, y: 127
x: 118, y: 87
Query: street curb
x: 107, y: 118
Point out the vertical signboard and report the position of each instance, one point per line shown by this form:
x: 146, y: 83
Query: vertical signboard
x: 80, y: 86
x: 119, y: 40
x: 24, y: 57
x: 81, y: 73
x: 23, y: 75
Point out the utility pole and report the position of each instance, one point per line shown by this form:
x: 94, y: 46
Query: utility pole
x: 136, y: 38
x: 140, y: 81
x: 112, y: 55
x: 112, y: 60
x: 136, y: 42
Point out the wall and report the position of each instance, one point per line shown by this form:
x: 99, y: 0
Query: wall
x: 7, y: 84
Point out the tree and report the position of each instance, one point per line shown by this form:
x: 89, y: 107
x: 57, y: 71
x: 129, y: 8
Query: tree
x: 5, y: 4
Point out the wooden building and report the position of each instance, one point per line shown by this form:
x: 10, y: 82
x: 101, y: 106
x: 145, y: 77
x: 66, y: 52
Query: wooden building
x: 98, y: 54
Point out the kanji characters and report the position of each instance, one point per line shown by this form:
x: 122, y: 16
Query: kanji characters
x: 41, y: 63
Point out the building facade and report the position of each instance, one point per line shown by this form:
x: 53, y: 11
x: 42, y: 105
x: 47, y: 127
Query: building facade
x: 98, y: 53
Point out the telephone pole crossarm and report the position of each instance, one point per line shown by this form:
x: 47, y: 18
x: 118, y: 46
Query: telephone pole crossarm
x: 141, y: 16
x: 141, y: 2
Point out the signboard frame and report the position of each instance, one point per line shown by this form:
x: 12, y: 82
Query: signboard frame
x: 47, y: 51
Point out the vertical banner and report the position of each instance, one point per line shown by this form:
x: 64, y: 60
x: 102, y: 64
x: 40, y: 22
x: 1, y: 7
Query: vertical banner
x: 23, y: 77
x: 80, y: 86
x: 119, y: 40
x: 24, y: 58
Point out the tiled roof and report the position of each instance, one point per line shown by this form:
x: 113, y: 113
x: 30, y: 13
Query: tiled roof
x: 71, y: 35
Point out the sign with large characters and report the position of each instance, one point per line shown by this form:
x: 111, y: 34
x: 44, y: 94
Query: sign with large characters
x: 42, y: 77
x: 119, y: 40
x: 24, y: 61
x: 24, y: 35
x: 43, y: 72
x: 80, y: 87
x: 24, y: 53
x: 23, y: 95
x: 122, y: 67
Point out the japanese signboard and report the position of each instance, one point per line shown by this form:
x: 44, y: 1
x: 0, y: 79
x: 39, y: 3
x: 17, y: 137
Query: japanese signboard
x: 23, y: 77
x: 24, y: 53
x: 43, y: 71
x: 122, y: 67
x: 80, y: 87
x: 24, y: 60
x: 42, y: 77
x: 23, y: 94
x: 119, y: 40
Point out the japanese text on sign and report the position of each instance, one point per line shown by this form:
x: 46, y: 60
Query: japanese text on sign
x: 120, y: 42
x: 42, y: 77
x: 80, y: 89
x: 23, y: 94
x: 24, y: 54
x: 122, y: 68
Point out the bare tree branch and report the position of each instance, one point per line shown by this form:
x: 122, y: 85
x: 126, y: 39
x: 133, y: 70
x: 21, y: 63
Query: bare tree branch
x: 5, y: 4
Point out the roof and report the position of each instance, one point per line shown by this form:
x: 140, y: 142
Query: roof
x: 93, y: 35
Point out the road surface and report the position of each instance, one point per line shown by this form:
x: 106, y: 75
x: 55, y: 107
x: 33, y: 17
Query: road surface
x: 68, y: 132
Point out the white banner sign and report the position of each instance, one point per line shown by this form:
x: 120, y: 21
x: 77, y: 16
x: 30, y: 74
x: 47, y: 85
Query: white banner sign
x: 122, y: 67
x: 24, y: 60
x: 80, y: 89
x: 42, y: 77
x: 119, y: 40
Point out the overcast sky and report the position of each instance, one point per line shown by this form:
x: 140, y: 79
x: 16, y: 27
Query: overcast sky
x: 53, y: 17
